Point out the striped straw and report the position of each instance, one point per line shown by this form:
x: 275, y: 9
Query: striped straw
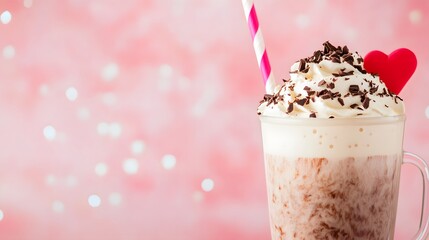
x: 259, y: 45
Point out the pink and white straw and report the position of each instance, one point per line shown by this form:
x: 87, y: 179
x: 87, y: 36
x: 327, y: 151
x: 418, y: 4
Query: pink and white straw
x: 259, y: 45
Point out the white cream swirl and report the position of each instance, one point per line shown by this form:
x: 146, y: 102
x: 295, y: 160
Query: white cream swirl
x: 331, y: 84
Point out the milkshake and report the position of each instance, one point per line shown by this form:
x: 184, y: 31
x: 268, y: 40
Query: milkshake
x: 332, y: 140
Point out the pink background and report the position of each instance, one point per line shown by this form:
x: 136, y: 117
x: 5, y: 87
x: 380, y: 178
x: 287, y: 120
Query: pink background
x: 137, y: 119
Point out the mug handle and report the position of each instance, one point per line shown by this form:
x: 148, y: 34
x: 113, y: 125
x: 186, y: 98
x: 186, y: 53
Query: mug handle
x: 410, y: 158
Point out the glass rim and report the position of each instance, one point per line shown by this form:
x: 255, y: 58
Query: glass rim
x: 332, y: 121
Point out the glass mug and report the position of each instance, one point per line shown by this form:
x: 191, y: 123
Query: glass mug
x: 336, y: 178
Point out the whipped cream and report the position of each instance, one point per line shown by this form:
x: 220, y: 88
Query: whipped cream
x: 331, y: 84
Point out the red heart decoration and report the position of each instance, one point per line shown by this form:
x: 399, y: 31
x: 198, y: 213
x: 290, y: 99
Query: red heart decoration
x: 394, y: 69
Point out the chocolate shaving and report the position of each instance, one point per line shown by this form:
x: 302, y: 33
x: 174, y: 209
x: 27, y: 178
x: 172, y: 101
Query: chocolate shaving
x: 272, y: 99
x: 354, y: 105
x: 323, y: 92
x: 336, y: 94
x: 290, y: 108
x: 321, y: 83
x: 373, y: 90
x: 302, y: 64
x: 313, y: 115
x: 331, y: 85
x: 306, y: 69
x: 335, y: 59
x: 267, y: 98
x: 326, y: 96
x: 329, y: 47
x: 353, y: 89
x: 366, y: 103
x: 317, y: 57
x: 349, y: 59
x: 359, y: 68
x: 342, y: 73
x: 396, y: 99
x: 301, y: 102
x: 360, y: 60
x: 309, y: 93
x: 341, y: 101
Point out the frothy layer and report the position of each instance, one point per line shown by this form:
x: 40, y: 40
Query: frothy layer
x: 332, y: 138
x: 331, y: 83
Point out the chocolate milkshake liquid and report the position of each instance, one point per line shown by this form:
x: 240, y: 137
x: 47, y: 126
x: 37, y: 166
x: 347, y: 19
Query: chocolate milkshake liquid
x: 332, y: 178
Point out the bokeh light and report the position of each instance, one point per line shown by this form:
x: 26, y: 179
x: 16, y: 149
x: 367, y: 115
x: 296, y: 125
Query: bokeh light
x: 71, y: 94
x: 71, y: 181
x: 207, y: 185
x: 137, y: 147
x: 103, y: 128
x: 130, y: 166
x: 5, y: 17
x: 28, y: 3
x: 49, y: 132
x: 58, y: 206
x: 43, y: 90
x: 110, y: 72
x: 94, y: 201
x: 169, y: 161
x: 50, y: 180
x: 197, y: 196
x: 115, y: 130
x: 8, y: 52
x: 101, y: 169
x: 415, y: 16
x: 83, y: 113
x: 115, y: 199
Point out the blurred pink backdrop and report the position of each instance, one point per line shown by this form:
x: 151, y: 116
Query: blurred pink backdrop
x: 137, y: 119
